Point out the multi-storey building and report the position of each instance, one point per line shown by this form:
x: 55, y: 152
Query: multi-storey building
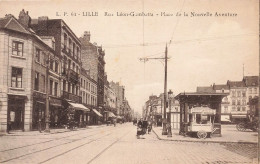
x: 252, y: 84
x: 93, y: 60
x: 88, y: 89
x: 28, y: 63
x: 68, y: 48
x: 120, y: 94
x: 225, y: 104
x: 238, y: 99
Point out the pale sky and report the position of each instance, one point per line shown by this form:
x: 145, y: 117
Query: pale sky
x: 204, y: 50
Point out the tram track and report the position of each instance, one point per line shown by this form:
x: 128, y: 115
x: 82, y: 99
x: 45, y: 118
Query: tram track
x: 108, y: 147
x: 20, y: 147
x: 72, y: 141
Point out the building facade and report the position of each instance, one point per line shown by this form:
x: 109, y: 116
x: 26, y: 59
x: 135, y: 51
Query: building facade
x: 25, y: 61
x: 88, y: 90
x: 93, y: 60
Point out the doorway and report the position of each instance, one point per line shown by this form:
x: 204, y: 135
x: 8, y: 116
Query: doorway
x: 16, y: 113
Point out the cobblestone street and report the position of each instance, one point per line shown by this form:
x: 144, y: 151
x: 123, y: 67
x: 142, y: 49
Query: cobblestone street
x: 118, y: 144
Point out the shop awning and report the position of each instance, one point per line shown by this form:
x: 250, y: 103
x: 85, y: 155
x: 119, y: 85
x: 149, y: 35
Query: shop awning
x: 77, y: 106
x: 95, y: 111
x: 119, y: 117
x: 110, y: 114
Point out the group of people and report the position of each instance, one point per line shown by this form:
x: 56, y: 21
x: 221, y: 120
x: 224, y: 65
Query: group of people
x: 143, y: 126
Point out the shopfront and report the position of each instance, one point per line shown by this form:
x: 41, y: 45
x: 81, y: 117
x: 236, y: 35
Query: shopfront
x: 55, y: 112
x: 39, y: 106
x: 16, y: 107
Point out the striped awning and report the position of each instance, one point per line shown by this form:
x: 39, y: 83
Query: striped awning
x: 97, y: 113
x: 77, y: 106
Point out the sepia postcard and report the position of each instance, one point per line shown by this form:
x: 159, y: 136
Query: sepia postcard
x: 129, y: 81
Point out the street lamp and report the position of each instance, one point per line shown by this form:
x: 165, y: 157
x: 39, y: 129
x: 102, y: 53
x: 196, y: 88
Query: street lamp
x: 170, y: 105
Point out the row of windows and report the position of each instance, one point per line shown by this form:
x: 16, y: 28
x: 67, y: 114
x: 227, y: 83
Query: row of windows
x: 39, y: 84
x: 239, y: 109
x: 89, y: 99
x: 68, y: 64
x: 239, y: 94
x: 238, y: 102
x: 88, y: 86
x: 252, y: 90
x: 72, y: 48
x: 71, y: 88
x: 42, y: 58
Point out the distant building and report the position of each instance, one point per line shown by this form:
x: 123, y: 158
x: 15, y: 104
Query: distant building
x: 93, y: 60
x: 120, y: 94
x: 88, y: 88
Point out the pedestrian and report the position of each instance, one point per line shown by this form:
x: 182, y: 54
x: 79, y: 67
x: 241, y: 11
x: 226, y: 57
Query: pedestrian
x: 40, y: 125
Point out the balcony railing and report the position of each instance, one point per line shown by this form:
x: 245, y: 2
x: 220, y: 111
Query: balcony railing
x: 70, y: 96
x: 73, y: 76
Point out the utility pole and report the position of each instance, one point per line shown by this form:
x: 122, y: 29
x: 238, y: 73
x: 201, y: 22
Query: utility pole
x: 164, y: 131
x: 47, y: 128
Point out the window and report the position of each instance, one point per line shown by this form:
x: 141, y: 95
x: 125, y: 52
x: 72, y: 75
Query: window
x: 233, y: 102
x: 238, y: 108
x: 69, y: 87
x: 226, y: 109
x: 238, y: 102
x: 244, y: 94
x: 73, y: 66
x: 255, y: 90
x: 64, y: 85
x: 37, y: 55
x: 69, y: 62
x: 70, y: 46
x: 55, y: 89
x: 17, y: 48
x: 73, y: 50
x: 56, y: 67
x: 233, y: 94
x: 233, y: 108
x: 51, y: 64
x: 78, y: 53
x: 43, y: 58
x: 243, y: 108
x: 238, y: 93
x: 51, y: 87
x: 250, y: 90
x: 16, y: 77
x: 43, y: 83
x: 243, y: 102
x: 36, y: 81
x: 65, y: 41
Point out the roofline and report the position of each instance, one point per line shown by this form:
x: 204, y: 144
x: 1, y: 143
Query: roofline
x: 70, y: 31
x: 200, y: 94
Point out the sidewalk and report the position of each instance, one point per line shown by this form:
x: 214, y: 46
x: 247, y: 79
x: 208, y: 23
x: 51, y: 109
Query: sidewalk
x: 52, y: 131
x: 229, y: 135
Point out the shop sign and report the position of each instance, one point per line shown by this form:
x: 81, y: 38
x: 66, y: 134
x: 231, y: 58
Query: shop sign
x: 54, y: 101
x: 39, y: 95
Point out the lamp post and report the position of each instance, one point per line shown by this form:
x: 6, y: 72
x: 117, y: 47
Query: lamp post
x: 170, y: 105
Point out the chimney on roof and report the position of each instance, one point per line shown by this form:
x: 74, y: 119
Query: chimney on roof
x: 24, y: 18
x: 42, y: 25
x: 86, y: 36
